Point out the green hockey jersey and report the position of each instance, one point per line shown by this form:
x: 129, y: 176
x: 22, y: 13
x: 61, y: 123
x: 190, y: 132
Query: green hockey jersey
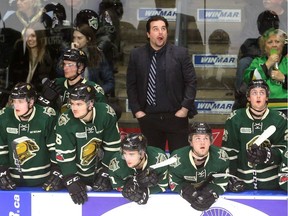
x: 184, y: 170
x: 28, y: 147
x: 119, y: 172
x: 78, y: 143
x: 65, y: 91
x: 240, y: 130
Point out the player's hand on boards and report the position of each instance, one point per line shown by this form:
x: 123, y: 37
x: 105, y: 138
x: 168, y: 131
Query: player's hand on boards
x: 133, y: 192
x: 147, y: 178
x: 55, y: 180
x: 76, y: 189
x: 204, y: 199
x: 6, y: 182
x: 102, y: 181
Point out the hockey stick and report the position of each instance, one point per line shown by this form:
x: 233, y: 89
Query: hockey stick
x: 265, y: 135
x: 218, y: 175
x: 164, y: 163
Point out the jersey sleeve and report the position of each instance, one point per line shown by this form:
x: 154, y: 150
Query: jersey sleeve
x: 111, y: 135
x: 230, y: 143
x: 65, y: 146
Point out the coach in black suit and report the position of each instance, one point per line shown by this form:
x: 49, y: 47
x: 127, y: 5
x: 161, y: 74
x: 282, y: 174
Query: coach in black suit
x: 162, y: 112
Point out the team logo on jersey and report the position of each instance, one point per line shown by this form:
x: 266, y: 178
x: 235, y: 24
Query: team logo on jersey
x: 223, y: 155
x: 93, y: 22
x: 114, y: 164
x: 59, y: 156
x: 99, y: 89
x: 49, y: 111
x: 25, y: 149
x: 160, y: 157
x: 177, y: 163
x: 2, y: 111
x: 12, y: 130
x: 110, y: 110
x: 90, y: 151
x: 24, y: 127
x: 63, y: 119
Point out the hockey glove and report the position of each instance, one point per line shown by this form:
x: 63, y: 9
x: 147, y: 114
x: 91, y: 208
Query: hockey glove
x: 102, y: 181
x: 147, y: 178
x: 6, y: 182
x: 51, y: 90
x: 259, y: 155
x: 55, y: 180
x: 235, y: 185
x: 76, y: 189
x: 188, y: 192
x: 204, y: 199
x: 133, y: 192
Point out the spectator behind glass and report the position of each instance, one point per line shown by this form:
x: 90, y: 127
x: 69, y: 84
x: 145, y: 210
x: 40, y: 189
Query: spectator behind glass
x: 255, y: 7
x: 271, y: 67
x: 255, y: 167
x: 27, y: 13
x: 59, y: 33
x: 31, y: 61
x: 219, y: 44
x: 248, y: 51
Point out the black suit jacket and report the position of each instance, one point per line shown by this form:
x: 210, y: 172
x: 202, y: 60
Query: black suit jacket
x: 180, y: 78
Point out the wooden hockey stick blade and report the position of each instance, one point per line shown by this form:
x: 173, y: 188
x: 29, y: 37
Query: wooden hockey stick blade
x: 265, y: 135
x: 164, y: 163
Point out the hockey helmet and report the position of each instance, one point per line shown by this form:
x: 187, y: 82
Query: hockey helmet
x: 115, y: 5
x: 83, y: 92
x: 77, y: 56
x: 200, y: 128
x: 23, y: 90
x: 258, y: 83
x: 87, y: 16
x: 134, y: 142
x: 266, y: 20
x: 53, y: 15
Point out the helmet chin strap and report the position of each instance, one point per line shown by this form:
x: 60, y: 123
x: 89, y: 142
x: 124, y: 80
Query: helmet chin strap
x: 141, y: 160
x: 76, y: 75
x: 27, y: 114
x: 88, y: 111
x: 199, y: 158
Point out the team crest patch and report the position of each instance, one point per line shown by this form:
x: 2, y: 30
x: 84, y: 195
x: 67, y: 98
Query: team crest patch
x: 223, y: 155
x: 160, y: 157
x: 99, y: 89
x: 177, y: 163
x: 63, y: 119
x: 93, y: 22
x: 49, y: 111
x: 114, y: 164
x: 2, y: 111
x: 110, y: 110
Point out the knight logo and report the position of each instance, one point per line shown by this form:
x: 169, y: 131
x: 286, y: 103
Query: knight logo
x: 214, y: 107
x: 145, y: 13
x: 219, y: 15
x: 208, y: 60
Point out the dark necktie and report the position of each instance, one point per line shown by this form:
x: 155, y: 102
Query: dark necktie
x: 151, y: 91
